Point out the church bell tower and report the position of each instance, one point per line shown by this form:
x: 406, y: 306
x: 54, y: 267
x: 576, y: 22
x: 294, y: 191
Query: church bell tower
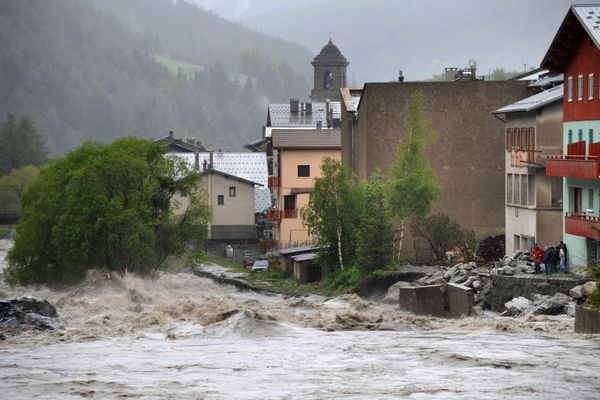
x: 329, y: 73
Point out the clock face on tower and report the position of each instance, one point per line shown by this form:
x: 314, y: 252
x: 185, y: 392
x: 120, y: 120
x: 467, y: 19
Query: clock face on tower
x: 328, y: 80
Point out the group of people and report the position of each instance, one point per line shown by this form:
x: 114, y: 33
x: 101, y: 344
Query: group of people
x: 550, y: 257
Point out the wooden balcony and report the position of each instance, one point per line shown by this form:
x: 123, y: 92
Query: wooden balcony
x: 273, y: 182
x: 273, y: 214
x: 571, y: 166
x: 580, y: 224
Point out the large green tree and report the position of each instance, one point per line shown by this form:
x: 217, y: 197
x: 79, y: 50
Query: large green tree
x: 105, y: 206
x: 375, y: 240
x: 412, y: 186
x: 20, y: 145
x: 13, y: 185
x: 333, y: 214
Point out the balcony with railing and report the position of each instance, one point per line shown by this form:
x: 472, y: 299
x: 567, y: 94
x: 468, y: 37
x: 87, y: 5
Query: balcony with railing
x: 576, y: 164
x: 276, y: 215
x: 289, y: 214
x: 273, y: 214
x: 581, y: 224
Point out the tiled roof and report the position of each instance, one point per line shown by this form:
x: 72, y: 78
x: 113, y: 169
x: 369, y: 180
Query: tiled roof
x: 536, y: 101
x: 306, y: 139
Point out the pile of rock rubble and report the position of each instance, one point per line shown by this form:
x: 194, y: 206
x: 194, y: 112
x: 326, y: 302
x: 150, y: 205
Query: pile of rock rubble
x: 560, y: 303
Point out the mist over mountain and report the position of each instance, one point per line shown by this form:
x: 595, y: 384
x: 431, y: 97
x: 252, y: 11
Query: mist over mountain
x: 420, y: 37
x: 101, y: 69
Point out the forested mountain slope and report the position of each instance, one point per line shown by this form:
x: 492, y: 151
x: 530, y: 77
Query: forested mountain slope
x: 81, y: 73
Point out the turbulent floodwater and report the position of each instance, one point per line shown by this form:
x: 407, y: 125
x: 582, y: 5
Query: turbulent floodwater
x: 184, y: 337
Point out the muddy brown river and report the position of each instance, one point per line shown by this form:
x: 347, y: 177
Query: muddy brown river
x: 185, y: 337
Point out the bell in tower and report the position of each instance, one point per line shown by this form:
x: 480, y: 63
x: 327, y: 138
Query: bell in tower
x: 329, y: 73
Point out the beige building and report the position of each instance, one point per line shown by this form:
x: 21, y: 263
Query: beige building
x: 297, y: 155
x: 231, y: 199
x: 533, y: 211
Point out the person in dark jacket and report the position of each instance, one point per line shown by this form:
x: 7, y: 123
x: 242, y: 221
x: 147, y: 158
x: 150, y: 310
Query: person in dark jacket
x: 562, y: 254
x: 551, y: 258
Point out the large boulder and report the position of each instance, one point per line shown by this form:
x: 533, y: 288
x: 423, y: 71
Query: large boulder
x: 588, y: 288
x: 28, y: 312
x: 517, y: 306
x: 553, y: 306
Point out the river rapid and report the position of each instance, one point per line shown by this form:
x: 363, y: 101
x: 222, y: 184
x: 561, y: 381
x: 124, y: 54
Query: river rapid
x: 185, y: 337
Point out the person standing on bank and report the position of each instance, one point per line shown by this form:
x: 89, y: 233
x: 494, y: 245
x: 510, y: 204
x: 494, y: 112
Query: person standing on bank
x: 562, y: 253
x: 538, y: 256
x: 551, y: 258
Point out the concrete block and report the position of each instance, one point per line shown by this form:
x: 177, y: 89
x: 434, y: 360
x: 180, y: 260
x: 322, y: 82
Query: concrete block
x: 460, y: 300
x: 586, y: 320
x: 424, y: 300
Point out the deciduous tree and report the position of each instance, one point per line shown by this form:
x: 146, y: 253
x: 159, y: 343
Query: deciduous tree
x: 412, y: 187
x: 105, y: 206
x: 333, y: 213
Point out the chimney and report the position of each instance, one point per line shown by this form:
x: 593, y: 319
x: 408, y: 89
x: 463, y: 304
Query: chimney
x: 308, y: 108
x: 197, y: 161
x: 204, y: 165
x: 400, y: 76
x: 294, y: 105
x: 210, y: 164
x: 319, y: 124
x: 171, y: 134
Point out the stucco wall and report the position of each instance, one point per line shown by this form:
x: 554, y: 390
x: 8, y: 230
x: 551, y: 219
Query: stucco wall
x: 468, y: 156
x: 238, y: 209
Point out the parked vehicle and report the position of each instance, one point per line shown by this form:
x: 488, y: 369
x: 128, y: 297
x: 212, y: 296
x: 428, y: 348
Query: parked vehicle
x: 260, y: 265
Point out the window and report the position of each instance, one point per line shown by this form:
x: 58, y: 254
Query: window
x: 531, y: 190
x: 580, y: 135
x: 510, y: 139
x: 580, y: 87
x: 183, y: 193
x: 517, y: 189
x: 509, y: 188
x: 556, y: 196
x: 570, y: 136
x: 591, y: 199
x: 220, y: 200
x: 289, y: 202
x: 570, y: 88
x: 591, y: 86
x: 591, y: 136
x: 232, y: 191
x: 303, y: 170
x: 523, y: 190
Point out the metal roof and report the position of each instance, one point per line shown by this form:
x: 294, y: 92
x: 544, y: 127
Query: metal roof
x: 281, y: 116
x: 546, y: 81
x: 580, y: 20
x: 248, y: 166
x: 297, y: 250
x: 533, y: 102
x: 303, y: 257
x: 226, y: 175
x: 306, y: 139
x: 589, y: 16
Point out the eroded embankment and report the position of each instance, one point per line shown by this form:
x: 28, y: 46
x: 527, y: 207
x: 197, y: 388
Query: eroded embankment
x: 102, y: 307
x: 105, y: 306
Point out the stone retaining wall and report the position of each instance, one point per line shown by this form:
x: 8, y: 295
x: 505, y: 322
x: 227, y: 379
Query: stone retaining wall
x: 460, y: 300
x: 424, y: 300
x: 586, y: 320
x: 505, y: 288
